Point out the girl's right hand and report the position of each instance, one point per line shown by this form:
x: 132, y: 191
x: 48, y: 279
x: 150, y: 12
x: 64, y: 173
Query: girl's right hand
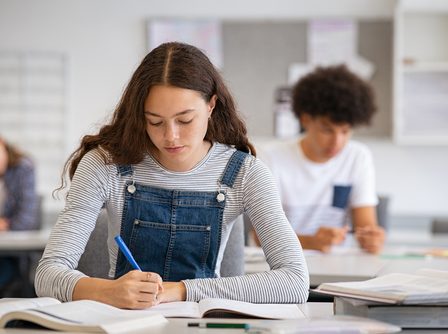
x: 134, y: 290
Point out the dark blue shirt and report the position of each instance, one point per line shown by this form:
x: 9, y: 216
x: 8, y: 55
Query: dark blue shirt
x: 21, y: 203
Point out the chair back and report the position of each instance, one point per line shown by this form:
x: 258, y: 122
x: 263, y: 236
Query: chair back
x: 382, y: 211
x: 94, y: 262
x: 439, y: 225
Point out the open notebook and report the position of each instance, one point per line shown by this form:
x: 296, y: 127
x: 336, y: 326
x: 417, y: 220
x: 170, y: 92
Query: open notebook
x: 215, y: 307
x: 78, y: 316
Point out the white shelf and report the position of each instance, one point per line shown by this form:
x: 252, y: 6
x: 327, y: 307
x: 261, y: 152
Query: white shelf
x: 420, y: 96
x: 424, y: 6
x: 422, y: 66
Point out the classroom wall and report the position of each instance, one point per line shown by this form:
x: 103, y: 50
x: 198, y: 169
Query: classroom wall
x: 104, y: 41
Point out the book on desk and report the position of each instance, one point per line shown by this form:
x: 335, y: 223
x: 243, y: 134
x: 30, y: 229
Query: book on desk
x: 417, y: 300
x: 85, y: 316
x: 91, y: 316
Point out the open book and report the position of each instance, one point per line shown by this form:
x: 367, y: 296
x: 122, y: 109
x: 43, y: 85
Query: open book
x: 77, y: 316
x: 216, y: 308
x: 426, y: 286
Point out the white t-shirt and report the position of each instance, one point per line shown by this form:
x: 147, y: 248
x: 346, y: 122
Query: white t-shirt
x: 321, y: 194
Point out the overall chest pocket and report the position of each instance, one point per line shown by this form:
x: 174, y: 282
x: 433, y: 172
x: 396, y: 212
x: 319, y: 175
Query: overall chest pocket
x: 175, y: 251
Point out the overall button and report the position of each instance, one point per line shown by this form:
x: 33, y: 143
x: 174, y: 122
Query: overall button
x: 131, y: 188
x: 221, y: 197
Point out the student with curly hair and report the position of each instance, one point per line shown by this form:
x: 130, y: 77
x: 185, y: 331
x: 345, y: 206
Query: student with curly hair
x: 324, y: 177
x: 174, y: 169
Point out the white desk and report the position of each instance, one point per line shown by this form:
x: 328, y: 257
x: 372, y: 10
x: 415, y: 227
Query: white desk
x: 314, y: 311
x: 349, y: 263
x: 13, y: 241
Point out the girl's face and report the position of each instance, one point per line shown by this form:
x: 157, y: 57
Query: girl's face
x: 176, y: 122
x: 3, y: 159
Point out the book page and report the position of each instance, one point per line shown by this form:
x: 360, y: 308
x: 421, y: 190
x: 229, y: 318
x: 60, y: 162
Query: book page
x: 174, y: 309
x: 433, y: 273
x: 14, y: 304
x: 86, y: 315
x: 268, y: 311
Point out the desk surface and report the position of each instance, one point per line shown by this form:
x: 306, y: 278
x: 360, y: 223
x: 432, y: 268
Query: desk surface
x: 24, y: 240
x: 349, y: 263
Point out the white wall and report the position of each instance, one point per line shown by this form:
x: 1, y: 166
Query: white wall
x: 105, y: 40
x: 415, y: 177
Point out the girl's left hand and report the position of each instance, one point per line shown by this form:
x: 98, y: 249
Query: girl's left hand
x: 172, y: 292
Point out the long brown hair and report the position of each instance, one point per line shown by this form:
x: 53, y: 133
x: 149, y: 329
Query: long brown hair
x: 14, y: 155
x: 175, y: 64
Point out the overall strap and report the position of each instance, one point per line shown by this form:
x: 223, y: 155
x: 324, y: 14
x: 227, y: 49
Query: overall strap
x: 233, y: 167
x: 125, y: 170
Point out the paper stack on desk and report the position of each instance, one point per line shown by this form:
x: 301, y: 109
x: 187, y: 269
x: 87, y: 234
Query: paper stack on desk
x: 417, y: 300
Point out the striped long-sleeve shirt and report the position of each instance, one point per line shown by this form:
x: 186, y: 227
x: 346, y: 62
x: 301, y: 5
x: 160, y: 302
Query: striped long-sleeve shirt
x: 96, y: 183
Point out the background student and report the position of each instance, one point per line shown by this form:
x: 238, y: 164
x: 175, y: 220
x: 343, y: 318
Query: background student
x: 18, y: 204
x: 173, y: 171
x: 324, y: 177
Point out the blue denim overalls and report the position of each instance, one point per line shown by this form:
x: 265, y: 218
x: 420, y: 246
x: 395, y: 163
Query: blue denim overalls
x: 174, y: 233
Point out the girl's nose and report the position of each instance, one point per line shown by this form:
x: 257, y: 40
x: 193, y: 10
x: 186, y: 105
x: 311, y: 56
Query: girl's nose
x: 171, y: 132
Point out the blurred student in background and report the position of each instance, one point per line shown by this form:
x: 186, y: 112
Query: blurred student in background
x: 325, y: 178
x: 18, y: 203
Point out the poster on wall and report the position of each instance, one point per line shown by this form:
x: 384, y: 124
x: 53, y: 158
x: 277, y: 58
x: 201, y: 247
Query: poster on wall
x: 204, y: 34
x: 333, y: 42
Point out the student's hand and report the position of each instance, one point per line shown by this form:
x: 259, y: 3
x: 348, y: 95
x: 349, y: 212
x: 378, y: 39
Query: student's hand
x: 4, y: 224
x: 172, y: 292
x: 370, y: 238
x: 324, y: 238
x: 134, y: 290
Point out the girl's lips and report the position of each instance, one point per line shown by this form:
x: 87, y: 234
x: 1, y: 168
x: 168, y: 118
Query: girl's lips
x: 174, y: 149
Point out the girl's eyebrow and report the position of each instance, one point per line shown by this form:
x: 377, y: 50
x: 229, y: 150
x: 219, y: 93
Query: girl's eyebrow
x: 148, y: 113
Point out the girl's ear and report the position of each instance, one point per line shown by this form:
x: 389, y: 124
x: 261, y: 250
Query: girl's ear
x: 212, y: 104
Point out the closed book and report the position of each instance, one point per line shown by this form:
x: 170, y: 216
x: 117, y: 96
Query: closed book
x: 404, y: 316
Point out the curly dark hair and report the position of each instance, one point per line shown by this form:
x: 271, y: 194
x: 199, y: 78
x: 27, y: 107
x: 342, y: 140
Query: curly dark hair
x: 336, y: 93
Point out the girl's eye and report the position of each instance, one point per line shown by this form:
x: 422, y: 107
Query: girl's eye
x: 154, y: 123
x: 185, y: 121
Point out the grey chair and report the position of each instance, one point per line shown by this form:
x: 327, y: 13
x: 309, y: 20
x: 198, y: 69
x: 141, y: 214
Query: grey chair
x: 439, y: 225
x: 95, y: 260
x: 382, y: 211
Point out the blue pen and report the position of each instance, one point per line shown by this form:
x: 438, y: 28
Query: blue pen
x: 126, y: 252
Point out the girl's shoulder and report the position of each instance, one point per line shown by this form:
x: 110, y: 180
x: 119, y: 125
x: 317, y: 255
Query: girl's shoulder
x: 225, y: 152
x: 97, y: 158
